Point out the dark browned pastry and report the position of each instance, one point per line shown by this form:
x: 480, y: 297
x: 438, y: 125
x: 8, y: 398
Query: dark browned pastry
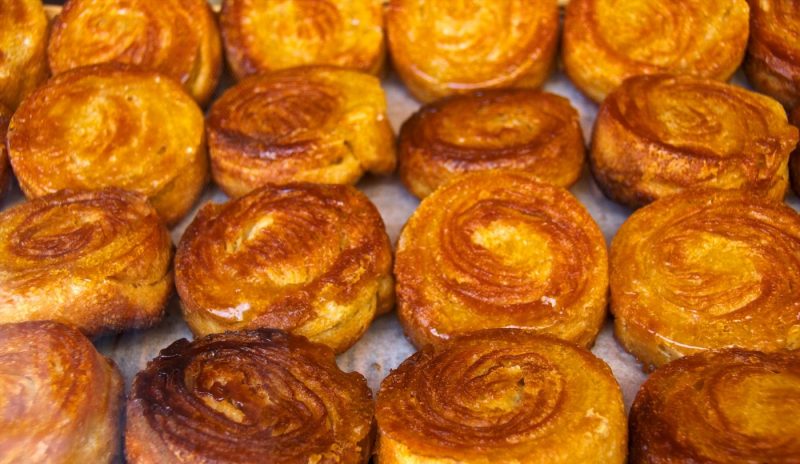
x: 23, y: 42
x: 659, y: 135
x: 491, y: 129
x: 311, y: 259
x: 5, y: 169
x: 794, y: 161
x: 247, y: 397
x: 59, y: 398
x: 726, y: 407
x: 501, y: 396
x: 97, y: 260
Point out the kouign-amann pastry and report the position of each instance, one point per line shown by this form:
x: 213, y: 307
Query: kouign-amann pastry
x: 607, y: 41
x: 726, y: 407
x: 97, y: 260
x: 60, y: 398
x: 311, y: 259
x: 498, y: 249
x: 5, y: 169
x: 23, y: 43
x: 501, y: 396
x: 245, y: 397
x: 660, y: 135
x: 111, y: 125
x: 177, y: 38
x: 314, y: 124
x: 794, y: 161
x: 492, y: 129
x: 444, y: 47
x: 706, y: 270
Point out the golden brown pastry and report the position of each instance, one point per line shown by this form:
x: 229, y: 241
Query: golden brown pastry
x: 501, y: 396
x: 794, y: 161
x: 444, y: 47
x: 312, y: 259
x: 59, y: 397
x: 5, y: 175
x: 659, y: 135
x: 23, y: 42
x: 315, y: 124
x: 97, y: 260
x: 247, y: 397
x: 607, y: 41
x: 111, y: 125
x: 725, y: 407
x: 498, y: 249
x: 177, y: 38
x: 706, y: 270
x: 268, y: 35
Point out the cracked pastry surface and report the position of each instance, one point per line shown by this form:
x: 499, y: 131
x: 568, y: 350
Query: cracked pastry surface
x: 23, y: 43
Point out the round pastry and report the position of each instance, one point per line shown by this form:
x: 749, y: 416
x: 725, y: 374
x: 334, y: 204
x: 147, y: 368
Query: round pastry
x: 794, y: 161
x: 314, y: 124
x: 59, y: 397
x: 177, y: 38
x: 98, y: 260
x: 111, y: 125
x: 731, y: 406
x: 706, y: 270
x: 245, y: 397
x: 23, y: 42
x: 268, y: 35
x: 659, y: 135
x: 498, y: 249
x: 312, y: 259
x: 501, y: 395
x: 444, y: 47
x: 492, y: 129
x: 607, y: 41
x: 5, y: 175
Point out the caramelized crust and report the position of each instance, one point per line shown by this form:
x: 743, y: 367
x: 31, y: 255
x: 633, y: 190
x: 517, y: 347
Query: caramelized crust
x: 726, y: 407
x: 97, y: 260
x: 246, y: 397
x: 498, y: 249
x: 111, y: 125
x: 660, y: 135
x: 706, y: 270
x: 59, y: 397
x: 5, y: 175
x: 177, y: 38
x: 444, y: 47
x: 607, y: 41
x: 501, y: 396
x: 23, y: 40
x: 794, y: 161
x: 492, y: 129
x: 312, y: 259
x: 313, y: 124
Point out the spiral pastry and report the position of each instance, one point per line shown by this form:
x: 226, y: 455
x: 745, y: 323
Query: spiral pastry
x: 59, y: 398
x: 444, y: 47
x: 730, y: 406
x: 111, y: 125
x: 312, y: 259
x: 5, y: 175
x: 23, y: 42
x: 245, y: 397
x: 607, y: 41
x: 659, y: 135
x: 498, y: 249
x: 493, y: 129
x: 177, y: 38
x: 501, y: 395
x: 315, y: 124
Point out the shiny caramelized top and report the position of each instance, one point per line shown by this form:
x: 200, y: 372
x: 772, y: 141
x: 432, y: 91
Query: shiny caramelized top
x: 23, y: 36
x: 776, y: 30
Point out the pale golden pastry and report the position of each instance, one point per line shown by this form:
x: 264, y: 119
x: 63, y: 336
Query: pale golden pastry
x: 268, y: 35
x: 177, y: 38
x: 312, y: 259
x: 111, y: 125
x: 498, y: 249
x: 706, y: 270
x: 248, y: 397
x: 5, y: 169
x: 503, y: 396
x: 726, y: 407
x: 313, y: 124
x: 97, y: 260
x: 518, y: 129
x: 59, y: 397
x: 659, y: 135
x: 23, y: 43
x: 444, y: 47
x: 607, y: 41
